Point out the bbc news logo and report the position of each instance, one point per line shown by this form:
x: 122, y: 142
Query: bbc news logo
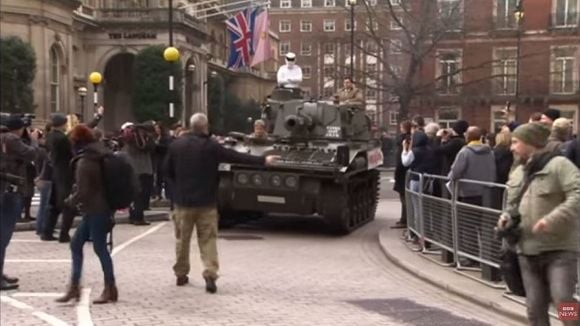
x: 569, y: 311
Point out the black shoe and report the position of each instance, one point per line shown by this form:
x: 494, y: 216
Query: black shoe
x: 141, y: 222
x: 5, y: 286
x: 210, y: 286
x: 64, y: 238
x: 9, y: 279
x: 182, y: 280
x: 47, y: 237
x: 399, y: 225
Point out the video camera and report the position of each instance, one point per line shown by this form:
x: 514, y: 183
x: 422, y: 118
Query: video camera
x: 25, y: 117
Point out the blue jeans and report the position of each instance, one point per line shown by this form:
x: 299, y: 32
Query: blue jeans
x: 45, y: 193
x: 94, y: 227
x: 10, y: 208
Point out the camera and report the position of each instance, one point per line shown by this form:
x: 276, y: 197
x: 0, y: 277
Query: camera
x: 25, y: 117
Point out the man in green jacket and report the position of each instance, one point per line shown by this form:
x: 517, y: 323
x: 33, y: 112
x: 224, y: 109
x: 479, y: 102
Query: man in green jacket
x: 550, y: 212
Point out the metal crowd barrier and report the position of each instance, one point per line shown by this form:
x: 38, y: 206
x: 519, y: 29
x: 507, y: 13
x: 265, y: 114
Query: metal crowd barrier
x: 458, y: 221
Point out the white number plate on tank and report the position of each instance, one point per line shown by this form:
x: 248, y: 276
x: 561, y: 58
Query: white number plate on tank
x: 271, y: 199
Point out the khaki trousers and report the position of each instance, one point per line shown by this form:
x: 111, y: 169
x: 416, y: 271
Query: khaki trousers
x: 205, y: 220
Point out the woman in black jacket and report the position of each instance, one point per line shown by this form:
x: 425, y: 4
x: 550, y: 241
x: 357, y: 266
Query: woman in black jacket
x: 401, y: 172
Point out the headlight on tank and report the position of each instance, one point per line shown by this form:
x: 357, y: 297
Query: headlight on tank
x: 276, y: 181
x: 291, y: 181
x: 257, y: 180
x: 242, y: 178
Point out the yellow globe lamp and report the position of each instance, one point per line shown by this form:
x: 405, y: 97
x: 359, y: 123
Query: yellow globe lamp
x: 95, y: 78
x: 171, y: 54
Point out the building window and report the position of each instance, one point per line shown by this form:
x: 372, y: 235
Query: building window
x: 347, y: 25
x: 306, y: 49
x: 371, y: 25
x: 306, y: 26
x: 285, y: 26
x: 329, y: 48
x: 54, y: 80
x: 447, y: 116
x: 329, y: 25
x: 328, y: 71
x: 397, y: 26
x: 285, y: 3
x: 284, y: 47
x: 505, y: 71
x: 327, y: 92
x: 372, y: 68
x: 451, y: 13
x: 498, y: 117
x: 505, y: 13
x: 566, y: 13
x: 395, y: 2
x: 449, y: 75
x: 306, y: 72
x: 564, y: 71
x: 393, y: 117
x: 371, y: 94
x: 306, y: 4
x: 396, y: 46
x: 329, y: 3
x: 372, y: 47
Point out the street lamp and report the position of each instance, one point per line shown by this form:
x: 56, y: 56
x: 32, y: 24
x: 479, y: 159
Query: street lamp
x: 352, y: 3
x: 95, y: 78
x: 519, y: 16
x: 82, y: 91
x: 171, y: 55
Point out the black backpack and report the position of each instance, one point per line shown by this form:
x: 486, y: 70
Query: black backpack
x: 119, y: 181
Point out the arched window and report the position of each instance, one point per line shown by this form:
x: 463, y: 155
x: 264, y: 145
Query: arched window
x: 54, y: 62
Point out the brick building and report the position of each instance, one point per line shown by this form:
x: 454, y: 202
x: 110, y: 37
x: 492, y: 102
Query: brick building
x: 471, y: 71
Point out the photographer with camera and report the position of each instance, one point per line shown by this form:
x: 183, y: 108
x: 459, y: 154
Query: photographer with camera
x: 15, y: 154
x: 139, y: 144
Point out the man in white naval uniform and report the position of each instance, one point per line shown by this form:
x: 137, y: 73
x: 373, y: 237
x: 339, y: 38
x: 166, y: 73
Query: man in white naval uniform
x: 290, y: 74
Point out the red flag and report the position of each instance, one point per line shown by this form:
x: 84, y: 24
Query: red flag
x: 262, y: 48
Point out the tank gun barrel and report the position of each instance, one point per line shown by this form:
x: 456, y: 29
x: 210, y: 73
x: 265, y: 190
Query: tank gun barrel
x: 296, y: 122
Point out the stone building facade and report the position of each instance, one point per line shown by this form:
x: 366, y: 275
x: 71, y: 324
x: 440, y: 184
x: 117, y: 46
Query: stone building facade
x: 73, y: 38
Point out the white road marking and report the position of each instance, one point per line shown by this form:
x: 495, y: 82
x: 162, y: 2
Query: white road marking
x: 36, y: 295
x: 49, y: 319
x: 127, y: 243
x: 38, y: 260
x: 83, y: 309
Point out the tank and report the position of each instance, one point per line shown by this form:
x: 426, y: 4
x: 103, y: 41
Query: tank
x: 328, y: 165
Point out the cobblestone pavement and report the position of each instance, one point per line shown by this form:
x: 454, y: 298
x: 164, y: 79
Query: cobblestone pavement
x: 276, y: 271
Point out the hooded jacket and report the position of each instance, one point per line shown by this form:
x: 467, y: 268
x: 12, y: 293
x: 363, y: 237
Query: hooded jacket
x: 473, y: 162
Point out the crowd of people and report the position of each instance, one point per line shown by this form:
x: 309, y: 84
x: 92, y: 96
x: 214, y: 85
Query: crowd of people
x: 73, y: 180
x: 539, y: 163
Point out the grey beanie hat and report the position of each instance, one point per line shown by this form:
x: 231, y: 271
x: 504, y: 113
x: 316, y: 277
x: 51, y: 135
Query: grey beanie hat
x: 58, y: 119
x: 535, y: 134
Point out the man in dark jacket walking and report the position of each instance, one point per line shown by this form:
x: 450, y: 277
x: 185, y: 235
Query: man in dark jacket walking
x: 192, y: 167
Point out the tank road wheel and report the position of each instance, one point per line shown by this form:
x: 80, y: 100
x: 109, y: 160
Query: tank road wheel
x: 350, y: 207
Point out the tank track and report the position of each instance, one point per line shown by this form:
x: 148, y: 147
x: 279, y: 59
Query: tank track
x: 352, y: 205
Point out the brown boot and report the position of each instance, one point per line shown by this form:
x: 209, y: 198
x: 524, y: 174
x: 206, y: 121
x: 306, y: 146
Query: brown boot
x: 109, y: 294
x: 73, y: 292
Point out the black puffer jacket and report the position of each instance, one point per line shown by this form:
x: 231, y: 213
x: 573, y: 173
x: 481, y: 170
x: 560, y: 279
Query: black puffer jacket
x: 447, y: 152
x: 400, y: 169
x: 425, y: 161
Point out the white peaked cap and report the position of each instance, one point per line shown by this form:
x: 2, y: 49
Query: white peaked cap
x: 126, y: 125
x: 290, y: 55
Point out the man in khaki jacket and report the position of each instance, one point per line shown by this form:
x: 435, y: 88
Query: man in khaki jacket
x: 550, y: 212
x: 350, y: 94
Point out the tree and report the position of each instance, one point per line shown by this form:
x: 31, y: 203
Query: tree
x: 404, y: 37
x: 151, y: 94
x: 17, y: 71
x: 226, y: 111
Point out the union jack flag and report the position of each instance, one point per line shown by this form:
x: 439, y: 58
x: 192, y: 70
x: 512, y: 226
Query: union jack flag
x: 241, y: 28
